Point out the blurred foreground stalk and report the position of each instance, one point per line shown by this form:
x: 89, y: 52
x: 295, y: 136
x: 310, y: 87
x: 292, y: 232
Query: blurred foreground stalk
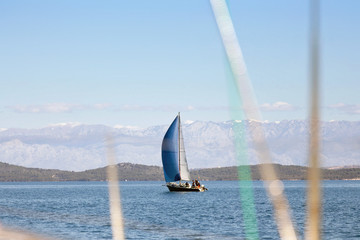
x: 313, y: 223
x: 114, y: 192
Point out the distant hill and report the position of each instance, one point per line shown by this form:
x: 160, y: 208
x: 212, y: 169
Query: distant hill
x: 138, y: 172
x: 284, y: 172
x: 127, y: 171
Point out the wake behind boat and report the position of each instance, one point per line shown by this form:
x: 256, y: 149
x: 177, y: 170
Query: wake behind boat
x: 174, y: 161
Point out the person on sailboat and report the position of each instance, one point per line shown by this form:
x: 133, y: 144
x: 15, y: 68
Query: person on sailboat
x: 197, y: 183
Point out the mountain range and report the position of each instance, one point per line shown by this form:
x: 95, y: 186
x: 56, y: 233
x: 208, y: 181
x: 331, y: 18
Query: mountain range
x: 77, y: 147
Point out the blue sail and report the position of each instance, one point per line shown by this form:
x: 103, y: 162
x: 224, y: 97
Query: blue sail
x: 170, y: 152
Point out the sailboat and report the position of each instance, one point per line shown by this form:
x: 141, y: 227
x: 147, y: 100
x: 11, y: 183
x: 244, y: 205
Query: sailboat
x: 176, y: 171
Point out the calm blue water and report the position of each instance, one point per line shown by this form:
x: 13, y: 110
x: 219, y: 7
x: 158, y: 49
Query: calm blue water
x: 79, y: 210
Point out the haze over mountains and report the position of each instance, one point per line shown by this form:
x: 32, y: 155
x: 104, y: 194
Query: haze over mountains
x: 208, y: 144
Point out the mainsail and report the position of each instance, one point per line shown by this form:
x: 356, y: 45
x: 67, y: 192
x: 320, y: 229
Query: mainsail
x: 184, y: 171
x: 173, y: 154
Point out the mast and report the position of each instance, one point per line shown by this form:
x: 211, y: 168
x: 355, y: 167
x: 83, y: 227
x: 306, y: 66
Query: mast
x: 179, y: 144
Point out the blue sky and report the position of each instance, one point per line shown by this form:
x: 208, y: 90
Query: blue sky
x: 139, y: 62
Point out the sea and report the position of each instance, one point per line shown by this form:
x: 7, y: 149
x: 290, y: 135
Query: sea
x: 80, y: 210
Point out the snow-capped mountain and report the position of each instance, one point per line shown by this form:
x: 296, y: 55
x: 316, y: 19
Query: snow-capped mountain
x: 208, y: 144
